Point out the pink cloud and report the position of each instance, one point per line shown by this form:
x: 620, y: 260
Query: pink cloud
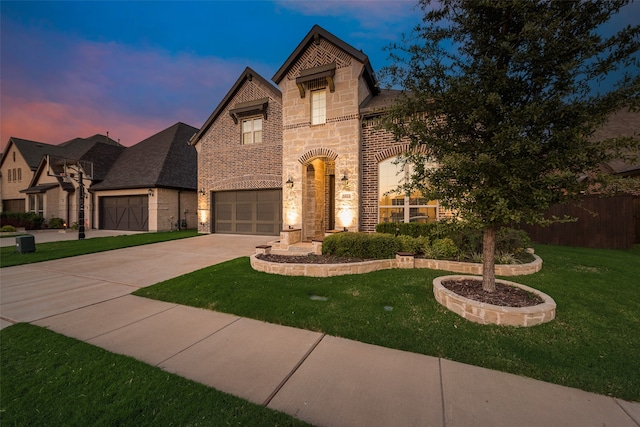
x: 54, y: 123
x: 92, y: 87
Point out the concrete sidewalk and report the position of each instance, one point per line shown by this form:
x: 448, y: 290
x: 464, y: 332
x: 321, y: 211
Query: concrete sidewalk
x: 315, y: 377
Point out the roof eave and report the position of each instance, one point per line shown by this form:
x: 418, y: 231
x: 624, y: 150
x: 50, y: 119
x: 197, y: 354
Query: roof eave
x: 314, y: 34
x: 248, y: 74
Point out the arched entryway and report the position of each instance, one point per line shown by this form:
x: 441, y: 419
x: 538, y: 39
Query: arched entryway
x: 318, y: 198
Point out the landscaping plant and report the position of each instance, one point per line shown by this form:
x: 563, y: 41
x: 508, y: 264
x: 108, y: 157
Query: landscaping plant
x: 504, y: 97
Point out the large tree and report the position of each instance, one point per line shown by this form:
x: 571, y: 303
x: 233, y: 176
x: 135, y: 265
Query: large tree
x: 504, y: 95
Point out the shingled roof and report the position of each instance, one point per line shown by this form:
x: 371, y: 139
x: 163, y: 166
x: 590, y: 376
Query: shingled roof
x: 164, y: 160
x: 98, y: 150
x: 32, y: 151
x: 622, y: 123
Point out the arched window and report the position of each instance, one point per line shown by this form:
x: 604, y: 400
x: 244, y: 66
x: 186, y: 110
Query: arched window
x: 394, y: 206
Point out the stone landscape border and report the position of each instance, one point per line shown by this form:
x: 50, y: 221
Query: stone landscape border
x: 403, y: 260
x: 485, y: 314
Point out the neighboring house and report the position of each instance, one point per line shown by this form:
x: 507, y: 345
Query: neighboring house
x: 17, y: 166
x: 305, y: 156
x: 53, y: 191
x: 152, y: 186
x: 623, y: 123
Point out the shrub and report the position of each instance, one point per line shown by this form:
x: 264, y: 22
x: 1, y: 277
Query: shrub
x: 56, y: 223
x: 8, y: 229
x: 511, y: 240
x: 28, y: 220
x: 408, y: 244
x: 467, y: 239
x: 361, y: 245
x: 413, y: 229
x: 441, y: 249
x: 506, y: 258
x: 476, y: 257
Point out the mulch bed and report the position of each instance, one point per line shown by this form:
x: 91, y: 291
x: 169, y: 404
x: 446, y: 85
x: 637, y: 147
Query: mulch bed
x: 308, y: 259
x: 506, y: 296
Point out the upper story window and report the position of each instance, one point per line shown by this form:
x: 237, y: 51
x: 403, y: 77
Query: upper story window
x: 318, y: 107
x: 19, y: 174
x: 252, y: 131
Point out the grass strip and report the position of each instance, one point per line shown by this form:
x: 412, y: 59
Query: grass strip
x: 68, y: 248
x: 592, y: 344
x: 51, y: 380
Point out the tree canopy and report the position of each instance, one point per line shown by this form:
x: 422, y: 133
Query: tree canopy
x: 506, y: 95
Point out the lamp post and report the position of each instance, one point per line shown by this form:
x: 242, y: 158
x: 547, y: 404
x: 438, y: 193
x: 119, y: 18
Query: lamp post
x: 80, y: 206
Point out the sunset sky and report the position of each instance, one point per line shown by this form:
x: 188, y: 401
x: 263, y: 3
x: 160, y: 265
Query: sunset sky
x: 77, y: 68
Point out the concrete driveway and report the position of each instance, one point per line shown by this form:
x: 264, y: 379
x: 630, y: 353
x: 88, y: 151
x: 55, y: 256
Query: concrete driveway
x: 36, y: 291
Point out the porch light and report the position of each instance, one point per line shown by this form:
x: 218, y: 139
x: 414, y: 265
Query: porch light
x: 344, y: 179
x: 289, y: 183
x: 203, y: 192
x: 204, y: 216
x: 150, y: 192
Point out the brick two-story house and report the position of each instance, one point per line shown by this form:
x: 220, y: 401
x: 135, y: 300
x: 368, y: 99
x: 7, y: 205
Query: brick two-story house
x: 306, y: 154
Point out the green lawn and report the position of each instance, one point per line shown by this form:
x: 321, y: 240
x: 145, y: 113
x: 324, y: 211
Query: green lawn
x: 52, y: 380
x: 69, y: 248
x: 593, y: 344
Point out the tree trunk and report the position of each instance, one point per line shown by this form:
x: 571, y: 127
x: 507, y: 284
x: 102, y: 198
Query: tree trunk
x: 488, y: 260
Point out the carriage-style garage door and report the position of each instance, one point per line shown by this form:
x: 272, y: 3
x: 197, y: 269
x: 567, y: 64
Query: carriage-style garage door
x: 248, y: 212
x: 124, y: 213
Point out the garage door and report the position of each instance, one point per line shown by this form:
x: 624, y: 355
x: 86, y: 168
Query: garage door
x: 248, y: 212
x: 124, y: 213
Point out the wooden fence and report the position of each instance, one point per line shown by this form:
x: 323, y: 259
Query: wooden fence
x: 607, y: 222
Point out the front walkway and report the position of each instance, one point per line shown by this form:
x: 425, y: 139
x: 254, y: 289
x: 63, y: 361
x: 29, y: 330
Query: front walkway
x: 321, y: 379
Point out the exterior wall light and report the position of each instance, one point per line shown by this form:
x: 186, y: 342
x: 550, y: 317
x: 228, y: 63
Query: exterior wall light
x: 289, y: 183
x: 344, y: 179
x: 203, y: 192
x: 150, y: 192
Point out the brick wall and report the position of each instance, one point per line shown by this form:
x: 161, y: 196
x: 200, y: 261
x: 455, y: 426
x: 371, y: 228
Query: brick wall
x: 377, y: 145
x: 224, y: 163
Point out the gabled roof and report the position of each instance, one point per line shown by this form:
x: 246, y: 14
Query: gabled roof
x: 247, y: 74
x: 624, y: 122
x: 31, y: 151
x: 162, y: 160
x: 378, y: 104
x: 97, y: 153
x: 314, y: 36
x: 76, y: 148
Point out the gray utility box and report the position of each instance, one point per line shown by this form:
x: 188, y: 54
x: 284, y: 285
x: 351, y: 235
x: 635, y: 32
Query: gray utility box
x: 25, y: 244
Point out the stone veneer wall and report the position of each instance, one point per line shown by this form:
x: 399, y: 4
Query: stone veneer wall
x: 402, y: 260
x: 338, y: 139
x: 485, y: 314
x: 224, y: 163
